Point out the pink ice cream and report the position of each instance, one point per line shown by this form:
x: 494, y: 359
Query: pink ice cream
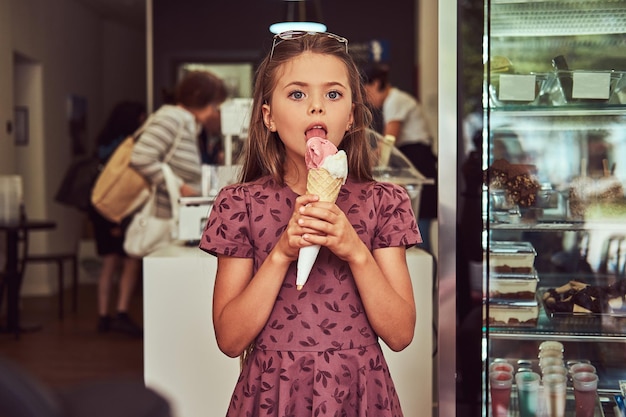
x: 317, y: 149
x: 322, y: 153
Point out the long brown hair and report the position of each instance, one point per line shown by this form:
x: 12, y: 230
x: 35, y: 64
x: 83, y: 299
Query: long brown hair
x: 264, y: 153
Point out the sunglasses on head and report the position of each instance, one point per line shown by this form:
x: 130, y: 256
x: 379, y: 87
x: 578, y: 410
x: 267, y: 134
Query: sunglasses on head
x: 297, y: 34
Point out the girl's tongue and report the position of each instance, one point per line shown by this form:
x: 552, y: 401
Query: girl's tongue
x: 316, y: 132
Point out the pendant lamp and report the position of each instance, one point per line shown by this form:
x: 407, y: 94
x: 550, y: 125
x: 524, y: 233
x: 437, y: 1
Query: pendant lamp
x: 303, y: 15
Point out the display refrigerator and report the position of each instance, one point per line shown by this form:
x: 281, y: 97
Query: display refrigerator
x: 532, y: 222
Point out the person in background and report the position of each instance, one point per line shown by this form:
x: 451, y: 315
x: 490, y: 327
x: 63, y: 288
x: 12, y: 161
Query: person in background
x: 197, y: 99
x: 403, y: 118
x: 305, y: 351
x: 124, y: 120
x: 211, y: 141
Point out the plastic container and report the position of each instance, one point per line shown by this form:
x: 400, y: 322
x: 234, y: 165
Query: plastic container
x: 11, y: 198
x: 518, y: 89
x: 588, y: 87
x: 399, y: 170
x: 508, y: 257
x: 513, y: 285
x: 513, y: 313
x: 585, y: 393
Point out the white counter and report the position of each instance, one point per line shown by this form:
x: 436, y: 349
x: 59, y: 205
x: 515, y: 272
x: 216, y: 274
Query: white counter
x: 182, y: 360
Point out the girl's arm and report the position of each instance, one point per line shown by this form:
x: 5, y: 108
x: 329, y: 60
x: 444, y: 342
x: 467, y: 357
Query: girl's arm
x: 387, y: 293
x: 242, y: 303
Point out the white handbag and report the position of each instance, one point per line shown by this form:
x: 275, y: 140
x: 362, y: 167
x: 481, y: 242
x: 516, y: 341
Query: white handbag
x: 148, y: 233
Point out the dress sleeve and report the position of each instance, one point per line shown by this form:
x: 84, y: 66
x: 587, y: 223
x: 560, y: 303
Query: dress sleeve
x: 227, y: 228
x: 397, y: 225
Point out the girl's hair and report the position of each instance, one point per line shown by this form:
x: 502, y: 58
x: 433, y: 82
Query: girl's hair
x: 198, y: 89
x: 124, y: 119
x: 264, y: 153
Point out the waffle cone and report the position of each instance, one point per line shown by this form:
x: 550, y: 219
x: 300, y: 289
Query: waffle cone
x: 321, y: 183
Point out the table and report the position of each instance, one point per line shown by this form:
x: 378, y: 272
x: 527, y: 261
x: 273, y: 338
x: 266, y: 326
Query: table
x: 13, y: 275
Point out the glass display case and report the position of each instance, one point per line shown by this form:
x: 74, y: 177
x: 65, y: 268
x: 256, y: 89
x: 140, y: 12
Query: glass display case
x: 554, y: 208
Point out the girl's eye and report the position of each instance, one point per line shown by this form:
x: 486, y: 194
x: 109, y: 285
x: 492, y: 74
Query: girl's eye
x: 298, y: 95
x: 334, y: 95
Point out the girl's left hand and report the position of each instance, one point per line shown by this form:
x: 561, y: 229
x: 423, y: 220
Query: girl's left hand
x: 332, y: 226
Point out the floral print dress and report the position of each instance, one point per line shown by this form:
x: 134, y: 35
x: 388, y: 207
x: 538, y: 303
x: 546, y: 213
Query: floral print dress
x: 317, y: 354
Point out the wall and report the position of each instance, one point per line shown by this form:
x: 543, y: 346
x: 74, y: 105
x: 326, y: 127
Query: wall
x: 6, y: 101
x: 238, y: 31
x: 427, y: 56
x: 53, y: 49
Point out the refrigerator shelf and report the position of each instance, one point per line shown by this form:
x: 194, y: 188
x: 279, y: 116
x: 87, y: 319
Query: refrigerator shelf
x: 557, y: 18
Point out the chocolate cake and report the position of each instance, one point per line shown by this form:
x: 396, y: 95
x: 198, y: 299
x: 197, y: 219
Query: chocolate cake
x: 579, y: 297
x: 517, y: 180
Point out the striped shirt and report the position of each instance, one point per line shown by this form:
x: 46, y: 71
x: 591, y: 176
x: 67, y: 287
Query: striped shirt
x: 154, y: 144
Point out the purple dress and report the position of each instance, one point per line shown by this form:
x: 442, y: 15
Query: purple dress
x: 317, y: 354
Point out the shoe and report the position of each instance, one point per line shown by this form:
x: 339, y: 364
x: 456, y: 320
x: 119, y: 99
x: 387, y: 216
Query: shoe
x: 104, y: 324
x: 122, y: 323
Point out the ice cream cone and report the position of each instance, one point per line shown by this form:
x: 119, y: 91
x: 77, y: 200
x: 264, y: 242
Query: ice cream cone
x: 306, y: 259
x: 327, y: 172
x: 323, y: 184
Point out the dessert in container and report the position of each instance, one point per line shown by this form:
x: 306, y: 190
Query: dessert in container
x: 554, y: 389
x: 582, y: 367
x: 528, y: 393
x: 511, y: 257
x: 551, y: 345
x: 500, y: 384
x: 513, y: 285
x: 512, y: 313
x: 585, y: 392
x: 502, y: 366
x: 554, y: 369
x: 551, y: 361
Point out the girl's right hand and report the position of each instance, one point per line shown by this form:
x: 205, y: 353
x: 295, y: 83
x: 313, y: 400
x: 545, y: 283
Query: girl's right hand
x: 291, y: 241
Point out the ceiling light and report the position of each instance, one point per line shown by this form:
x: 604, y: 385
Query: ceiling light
x: 303, y: 15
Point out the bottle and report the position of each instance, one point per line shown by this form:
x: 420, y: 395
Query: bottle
x: 385, y: 152
x: 564, y: 76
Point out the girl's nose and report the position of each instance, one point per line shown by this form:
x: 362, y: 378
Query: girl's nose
x: 316, y: 108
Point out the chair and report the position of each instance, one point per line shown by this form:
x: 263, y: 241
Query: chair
x: 60, y: 259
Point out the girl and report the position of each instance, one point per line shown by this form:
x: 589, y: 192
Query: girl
x: 314, y: 351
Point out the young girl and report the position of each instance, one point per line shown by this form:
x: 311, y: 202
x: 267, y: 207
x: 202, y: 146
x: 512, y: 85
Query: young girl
x: 312, y: 352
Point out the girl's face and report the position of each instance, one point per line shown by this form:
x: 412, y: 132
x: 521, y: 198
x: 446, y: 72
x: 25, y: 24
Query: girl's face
x: 312, y: 98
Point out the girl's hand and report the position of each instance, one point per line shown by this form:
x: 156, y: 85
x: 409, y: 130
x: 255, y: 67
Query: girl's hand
x: 291, y: 240
x: 325, y: 224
